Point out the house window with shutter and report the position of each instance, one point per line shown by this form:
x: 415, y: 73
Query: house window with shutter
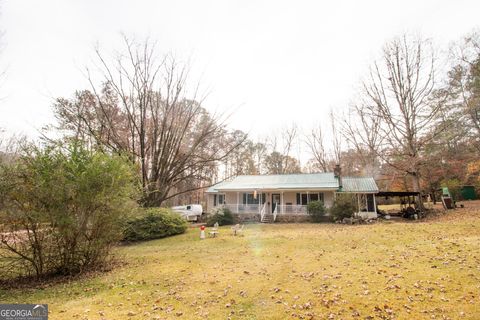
x: 221, y: 199
x: 218, y: 199
x: 305, y: 198
x: 248, y: 198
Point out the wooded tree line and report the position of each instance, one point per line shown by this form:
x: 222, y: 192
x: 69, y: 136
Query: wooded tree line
x: 413, y: 125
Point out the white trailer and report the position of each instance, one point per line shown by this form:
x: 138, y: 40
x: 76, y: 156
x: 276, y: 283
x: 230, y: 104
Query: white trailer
x: 191, y: 212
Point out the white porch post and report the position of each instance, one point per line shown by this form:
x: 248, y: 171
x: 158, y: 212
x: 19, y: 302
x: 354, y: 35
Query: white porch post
x: 281, y: 203
x: 374, y: 203
x: 238, y: 199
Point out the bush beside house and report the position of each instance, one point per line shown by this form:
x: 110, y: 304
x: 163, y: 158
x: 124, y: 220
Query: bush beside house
x: 223, y: 216
x: 343, y: 207
x: 316, y: 210
x: 154, y: 223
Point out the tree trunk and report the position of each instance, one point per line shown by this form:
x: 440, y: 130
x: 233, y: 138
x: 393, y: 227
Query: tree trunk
x: 417, y: 188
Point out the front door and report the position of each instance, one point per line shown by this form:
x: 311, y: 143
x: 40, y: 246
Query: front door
x: 275, y: 201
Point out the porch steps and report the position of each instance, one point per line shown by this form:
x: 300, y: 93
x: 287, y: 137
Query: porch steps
x: 267, y: 218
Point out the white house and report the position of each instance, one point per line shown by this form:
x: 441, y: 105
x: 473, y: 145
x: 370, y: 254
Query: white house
x: 269, y: 198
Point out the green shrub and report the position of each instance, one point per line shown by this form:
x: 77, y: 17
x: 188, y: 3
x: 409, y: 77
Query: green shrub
x: 222, y: 216
x: 316, y: 210
x: 63, y: 208
x: 343, y: 207
x: 154, y: 223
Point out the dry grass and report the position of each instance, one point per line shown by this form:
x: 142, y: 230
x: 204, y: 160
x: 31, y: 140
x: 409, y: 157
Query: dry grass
x: 407, y: 270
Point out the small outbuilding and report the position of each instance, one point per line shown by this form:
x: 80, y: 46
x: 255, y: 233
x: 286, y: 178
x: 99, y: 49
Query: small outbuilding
x: 468, y: 193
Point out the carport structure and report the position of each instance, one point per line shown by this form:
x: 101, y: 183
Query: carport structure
x: 407, y: 199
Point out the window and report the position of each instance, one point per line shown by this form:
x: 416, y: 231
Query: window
x: 218, y: 199
x: 304, y: 198
x: 221, y: 199
x: 248, y: 198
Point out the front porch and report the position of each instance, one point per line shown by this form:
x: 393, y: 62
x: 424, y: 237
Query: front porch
x: 263, y: 213
x: 268, y: 213
x: 270, y: 205
x: 241, y: 208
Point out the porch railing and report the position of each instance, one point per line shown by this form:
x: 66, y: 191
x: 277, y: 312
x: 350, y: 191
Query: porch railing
x: 257, y: 208
x: 291, y: 209
x: 243, y: 208
x: 264, y: 210
x: 275, y: 212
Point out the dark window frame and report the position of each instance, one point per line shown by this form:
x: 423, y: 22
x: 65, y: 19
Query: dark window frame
x: 216, y: 199
x: 303, y: 198
x: 248, y: 198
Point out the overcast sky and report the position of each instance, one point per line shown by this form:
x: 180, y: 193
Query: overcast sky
x: 272, y: 62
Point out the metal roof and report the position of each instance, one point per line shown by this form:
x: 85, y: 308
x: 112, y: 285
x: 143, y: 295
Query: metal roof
x: 304, y: 181
x: 359, y: 184
x: 281, y: 181
x: 213, y: 189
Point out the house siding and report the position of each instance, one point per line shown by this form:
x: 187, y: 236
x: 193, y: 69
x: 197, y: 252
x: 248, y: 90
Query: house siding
x: 231, y: 198
x: 209, y: 203
x: 329, y: 197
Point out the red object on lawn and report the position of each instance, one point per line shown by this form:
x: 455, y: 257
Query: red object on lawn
x: 202, y: 228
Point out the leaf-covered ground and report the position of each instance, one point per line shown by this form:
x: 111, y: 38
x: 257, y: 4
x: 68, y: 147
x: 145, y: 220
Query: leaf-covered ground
x: 396, y: 270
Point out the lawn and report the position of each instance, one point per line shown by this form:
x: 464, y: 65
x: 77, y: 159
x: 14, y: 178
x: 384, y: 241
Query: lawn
x: 389, y: 270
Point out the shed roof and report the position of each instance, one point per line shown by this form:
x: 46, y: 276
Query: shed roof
x: 359, y: 184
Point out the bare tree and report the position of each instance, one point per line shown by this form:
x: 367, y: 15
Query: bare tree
x: 289, y: 138
x: 240, y: 161
x: 280, y: 160
x: 315, y: 143
x: 259, y: 151
x: 361, y: 129
x: 336, y: 139
x: 398, y: 91
x: 277, y: 163
x: 462, y: 93
x: 144, y: 109
x: 325, y: 158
